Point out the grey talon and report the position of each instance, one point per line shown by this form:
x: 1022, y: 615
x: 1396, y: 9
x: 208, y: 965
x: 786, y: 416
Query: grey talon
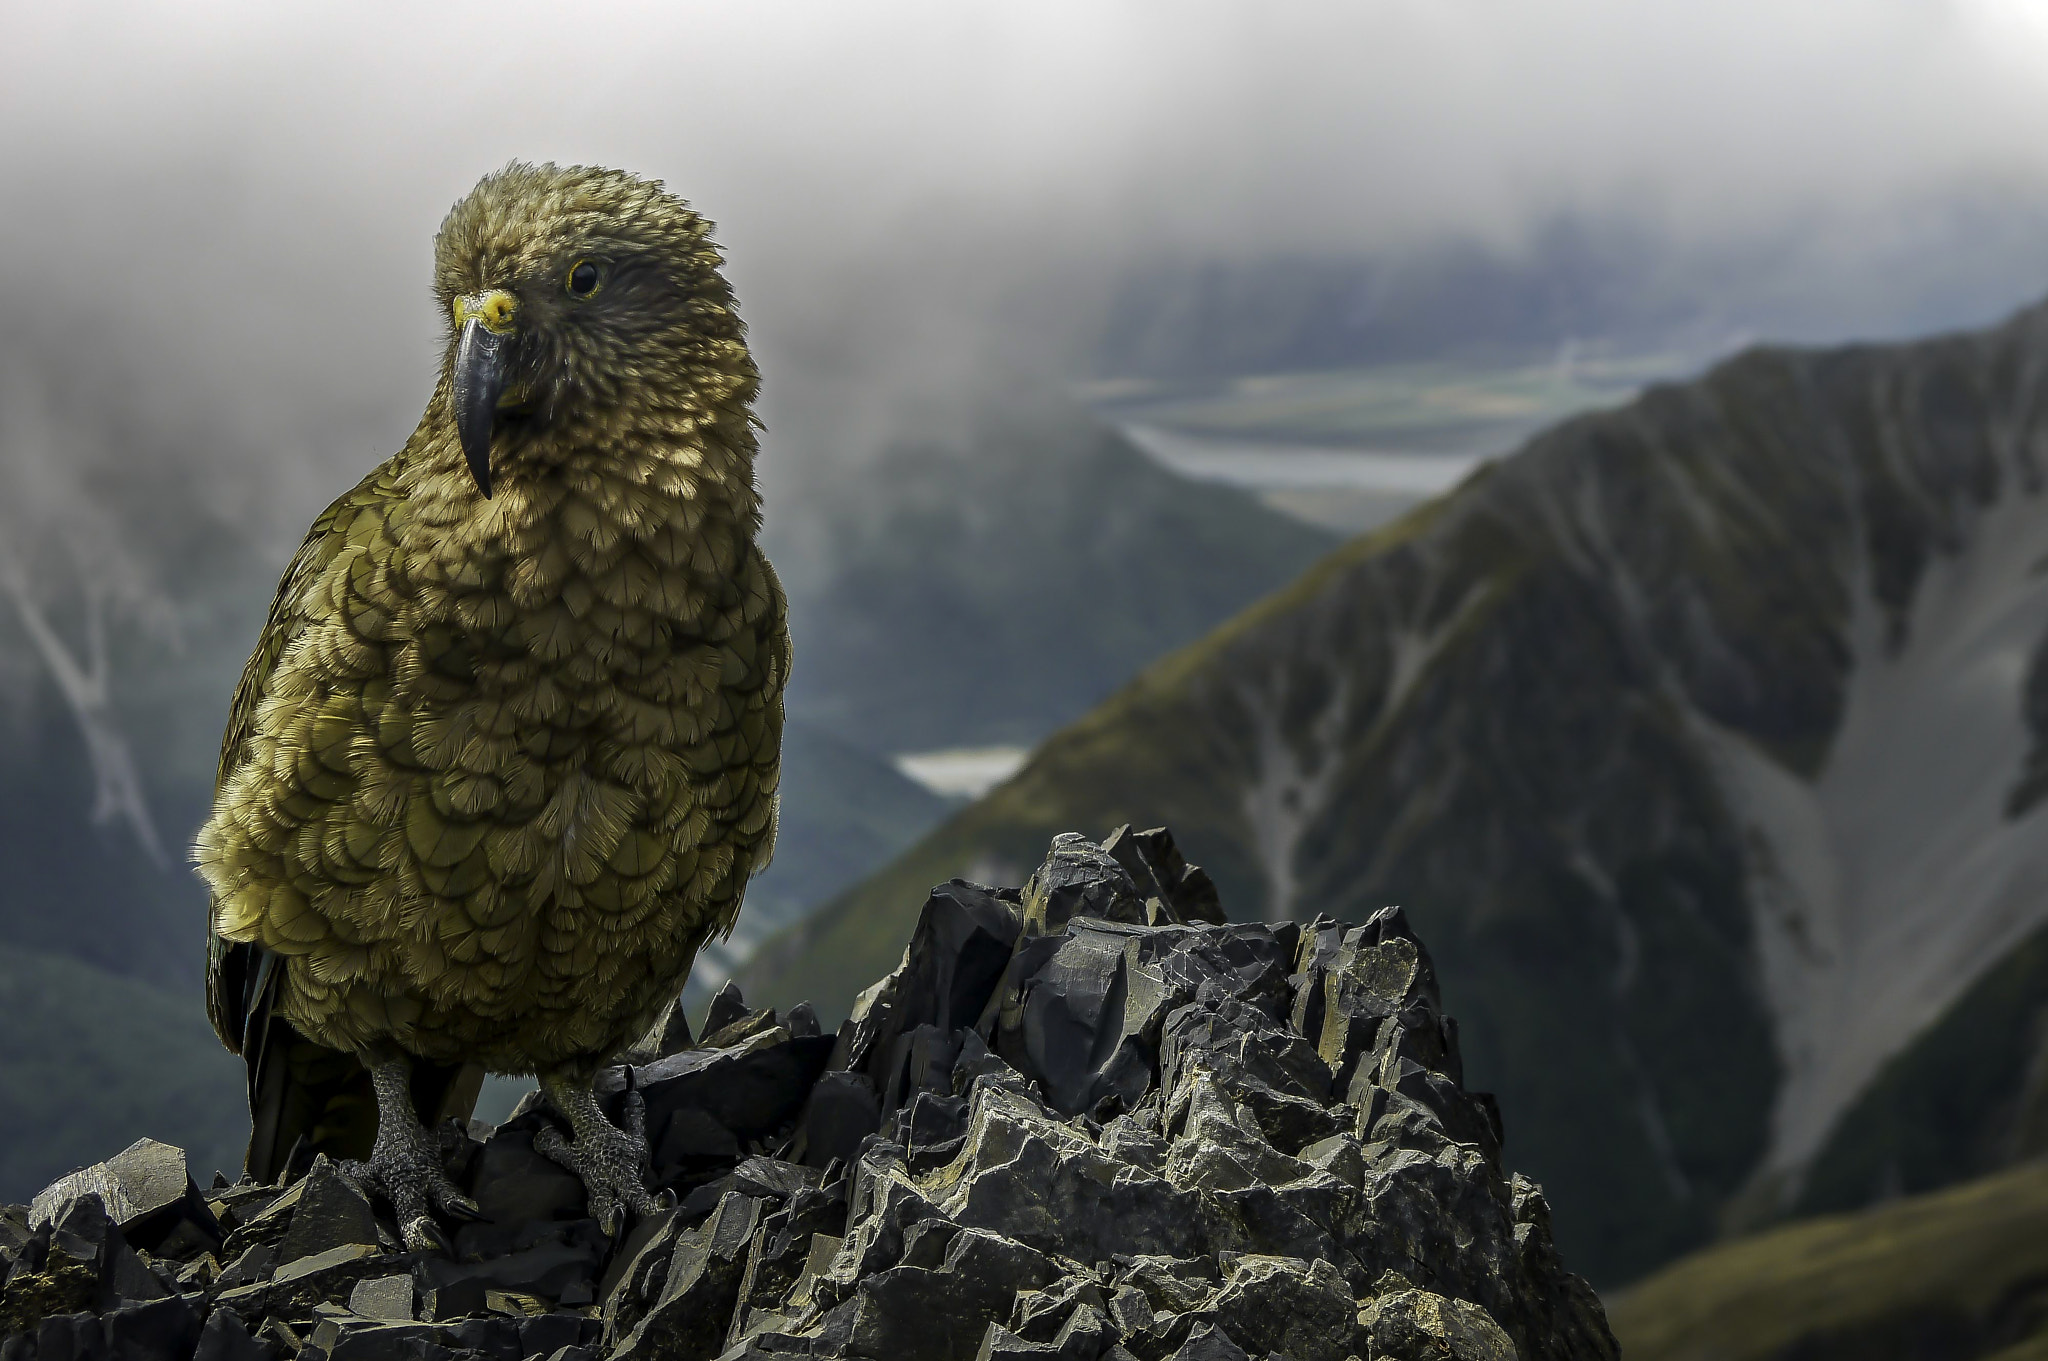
x: 422, y: 1234
x: 465, y: 1209
x: 404, y: 1167
x: 611, y: 1162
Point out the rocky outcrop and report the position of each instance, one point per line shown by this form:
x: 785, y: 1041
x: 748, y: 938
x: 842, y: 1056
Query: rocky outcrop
x: 1086, y: 1120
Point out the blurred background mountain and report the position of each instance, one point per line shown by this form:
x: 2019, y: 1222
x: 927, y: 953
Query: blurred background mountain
x: 1702, y: 736
x: 1337, y: 432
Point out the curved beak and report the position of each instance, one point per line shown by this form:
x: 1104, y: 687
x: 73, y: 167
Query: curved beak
x: 483, y: 366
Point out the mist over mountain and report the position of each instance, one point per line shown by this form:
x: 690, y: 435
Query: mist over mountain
x: 1578, y: 283
x: 917, y: 207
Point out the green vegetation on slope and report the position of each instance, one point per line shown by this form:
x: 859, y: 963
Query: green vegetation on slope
x: 91, y: 1061
x: 1958, y: 1274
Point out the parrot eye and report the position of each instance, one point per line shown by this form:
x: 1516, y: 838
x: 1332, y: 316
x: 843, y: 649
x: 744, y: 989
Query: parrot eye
x: 584, y: 278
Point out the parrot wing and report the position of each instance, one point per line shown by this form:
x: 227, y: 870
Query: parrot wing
x: 237, y: 975
x: 303, y: 1097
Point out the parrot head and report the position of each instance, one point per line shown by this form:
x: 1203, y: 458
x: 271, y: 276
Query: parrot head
x: 577, y: 298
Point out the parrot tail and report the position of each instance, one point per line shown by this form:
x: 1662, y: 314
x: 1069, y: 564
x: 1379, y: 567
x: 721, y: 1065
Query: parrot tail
x: 307, y: 1099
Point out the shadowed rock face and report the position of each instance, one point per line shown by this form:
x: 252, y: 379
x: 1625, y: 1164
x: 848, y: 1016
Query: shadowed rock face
x: 1086, y: 1119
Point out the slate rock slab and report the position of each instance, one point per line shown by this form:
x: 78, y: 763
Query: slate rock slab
x: 1175, y: 892
x: 331, y: 1213
x: 145, y: 1189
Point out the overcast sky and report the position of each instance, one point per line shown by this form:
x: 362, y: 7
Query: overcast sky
x: 226, y: 211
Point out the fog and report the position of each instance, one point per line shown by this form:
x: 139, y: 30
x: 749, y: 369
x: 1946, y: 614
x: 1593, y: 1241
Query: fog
x: 225, y: 219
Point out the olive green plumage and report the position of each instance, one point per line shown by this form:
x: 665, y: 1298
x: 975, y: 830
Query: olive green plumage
x: 501, y: 764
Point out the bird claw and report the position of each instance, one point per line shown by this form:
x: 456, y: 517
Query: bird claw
x: 422, y: 1234
x: 407, y: 1174
x: 463, y: 1208
x: 612, y: 1163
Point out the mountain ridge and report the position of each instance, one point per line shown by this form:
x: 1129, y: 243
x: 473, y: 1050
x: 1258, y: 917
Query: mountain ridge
x: 1531, y: 708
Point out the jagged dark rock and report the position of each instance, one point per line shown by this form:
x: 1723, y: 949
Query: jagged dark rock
x: 1088, y: 1120
x: 331, y: 1213
x: 225, y: 1338
x: 727, y: 1006
x: 1174, y: 890
x: 146, y: 1190
x: 1079, y: 879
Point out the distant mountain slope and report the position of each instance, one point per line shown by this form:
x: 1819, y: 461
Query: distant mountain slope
x: 79, y: 887
x: 1968, y: 1095
x: 990, y: 592
x: 90, y: 1061
x: 1958, y: 1275
x: 1697, y: 734
x: 845, y: 814
x: 107, y: 756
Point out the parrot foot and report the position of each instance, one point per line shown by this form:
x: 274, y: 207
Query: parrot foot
x: 405, y: 1166
x: 612, y: 1162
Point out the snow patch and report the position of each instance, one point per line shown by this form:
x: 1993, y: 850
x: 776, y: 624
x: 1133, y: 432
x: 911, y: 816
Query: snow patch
x: 1884, y: 888
x: 962, y: 772
x: 1288, y: 793
x: 1268, y: 466
x: 85, y: 685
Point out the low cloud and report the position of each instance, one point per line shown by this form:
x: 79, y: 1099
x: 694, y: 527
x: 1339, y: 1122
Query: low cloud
x: 230, y: 215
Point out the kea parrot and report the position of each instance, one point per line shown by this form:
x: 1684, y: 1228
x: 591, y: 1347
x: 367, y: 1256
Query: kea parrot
x: 506, y: 753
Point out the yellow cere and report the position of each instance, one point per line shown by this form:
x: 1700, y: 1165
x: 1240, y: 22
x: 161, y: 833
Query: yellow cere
x: 494, y: 307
